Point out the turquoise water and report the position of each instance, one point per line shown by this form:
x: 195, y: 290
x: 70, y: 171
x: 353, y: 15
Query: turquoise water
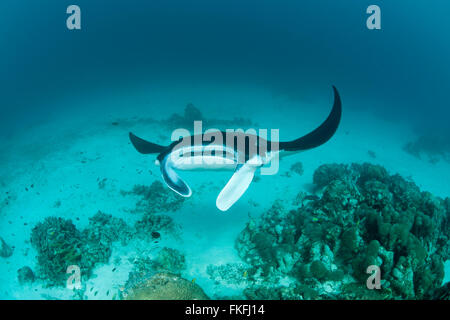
x: 70, y: 97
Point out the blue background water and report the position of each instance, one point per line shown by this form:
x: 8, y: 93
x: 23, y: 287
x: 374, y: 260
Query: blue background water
x: 290, y: 47
x: 287, y: 48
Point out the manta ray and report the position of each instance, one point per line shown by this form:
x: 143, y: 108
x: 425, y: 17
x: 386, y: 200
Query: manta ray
x: 242, y: 152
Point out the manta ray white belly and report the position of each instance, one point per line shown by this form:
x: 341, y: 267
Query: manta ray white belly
x: 204, y: 163
x: 210, y: 158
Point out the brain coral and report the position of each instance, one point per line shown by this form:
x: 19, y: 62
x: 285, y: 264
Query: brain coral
x: 165, y: 286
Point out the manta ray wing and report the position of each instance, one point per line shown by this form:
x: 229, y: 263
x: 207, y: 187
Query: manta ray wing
x: 236, y: 186
x: 144, y: 146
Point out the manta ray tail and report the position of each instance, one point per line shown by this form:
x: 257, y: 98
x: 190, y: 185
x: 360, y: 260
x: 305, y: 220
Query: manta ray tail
x: 321, y: 134
x: 145, y: 147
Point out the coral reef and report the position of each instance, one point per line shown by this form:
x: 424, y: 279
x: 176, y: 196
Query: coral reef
x: 442, y: 293
x: 170, y: 260
x: 167, y: 260
x: 329, y: 172
x: 105, y: 229
x: 60, y: 244
x: 322, y: 248
x: 164, y: 286
x: 155, y: 198
x: 5, y: 250
x: 151, y: 225
x: 25, y: 275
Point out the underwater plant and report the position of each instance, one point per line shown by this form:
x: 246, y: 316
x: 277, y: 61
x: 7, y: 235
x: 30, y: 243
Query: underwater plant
x: 364, y: 217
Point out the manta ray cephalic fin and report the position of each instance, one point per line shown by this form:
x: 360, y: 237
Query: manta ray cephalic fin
x: 236, y: 186
x: 173, y: 180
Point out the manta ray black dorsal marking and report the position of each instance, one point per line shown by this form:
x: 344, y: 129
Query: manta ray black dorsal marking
x: 243, y: 158
x: 321, y: 134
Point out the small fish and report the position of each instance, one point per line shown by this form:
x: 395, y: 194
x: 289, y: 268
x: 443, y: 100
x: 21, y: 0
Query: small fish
x: 245, y: 274
x: 314, y: 219
x: 193, y: 280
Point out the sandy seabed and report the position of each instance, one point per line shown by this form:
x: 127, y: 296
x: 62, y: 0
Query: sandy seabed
x: 53, y: 168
